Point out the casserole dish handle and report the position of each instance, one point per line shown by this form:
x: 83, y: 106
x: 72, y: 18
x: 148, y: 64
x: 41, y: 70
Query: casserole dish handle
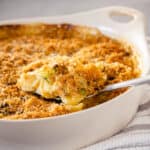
x: 132, y: 30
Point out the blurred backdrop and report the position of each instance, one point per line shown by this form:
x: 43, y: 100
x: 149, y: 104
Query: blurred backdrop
x: 11, y: 9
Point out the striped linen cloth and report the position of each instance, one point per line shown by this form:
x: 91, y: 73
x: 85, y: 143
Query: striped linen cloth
x: 136, y: 136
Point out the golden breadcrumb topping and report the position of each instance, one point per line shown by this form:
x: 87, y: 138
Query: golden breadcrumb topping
x: 48, y: 70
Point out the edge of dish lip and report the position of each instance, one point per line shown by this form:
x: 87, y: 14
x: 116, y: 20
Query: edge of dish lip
x: 36, y: 19
x: 42, y: 18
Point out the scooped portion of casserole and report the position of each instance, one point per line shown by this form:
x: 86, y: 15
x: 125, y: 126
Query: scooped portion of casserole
x: 64, y: 77
x: 48, y: 70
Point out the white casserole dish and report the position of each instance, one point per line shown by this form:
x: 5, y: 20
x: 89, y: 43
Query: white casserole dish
x: 97, y: 123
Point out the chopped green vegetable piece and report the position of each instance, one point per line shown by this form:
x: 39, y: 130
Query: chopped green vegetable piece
x: 82, y: 91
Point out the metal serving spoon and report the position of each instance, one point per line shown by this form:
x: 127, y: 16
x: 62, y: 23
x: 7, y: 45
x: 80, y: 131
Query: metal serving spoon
x: 134, y: 82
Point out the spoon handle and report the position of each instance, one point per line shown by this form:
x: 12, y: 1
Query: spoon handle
x: 133, y: 82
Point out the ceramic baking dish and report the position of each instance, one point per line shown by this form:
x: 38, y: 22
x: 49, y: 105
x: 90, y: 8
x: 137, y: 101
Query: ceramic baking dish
x: 78, y: 129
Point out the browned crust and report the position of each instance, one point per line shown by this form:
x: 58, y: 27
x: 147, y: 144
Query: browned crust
x: 23, y: 44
